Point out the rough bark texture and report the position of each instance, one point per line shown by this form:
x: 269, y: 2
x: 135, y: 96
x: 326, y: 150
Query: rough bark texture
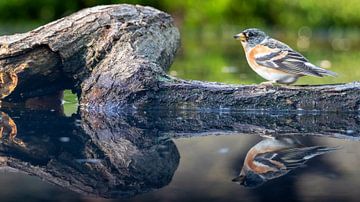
x: 102, y: 52
x: 116, y: 56
x: 200, y: 95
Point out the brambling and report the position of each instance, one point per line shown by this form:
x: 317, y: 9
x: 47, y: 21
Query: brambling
x: 274, y: 60
x: 274, y: 157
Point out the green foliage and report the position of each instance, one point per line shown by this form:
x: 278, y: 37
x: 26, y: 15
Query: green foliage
x: 330, y: 28
x: 70, y: 103
x: 287, y: 14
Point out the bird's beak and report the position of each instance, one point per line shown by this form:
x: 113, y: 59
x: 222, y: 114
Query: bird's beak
x: 241, y: 37
x: 239, y: 179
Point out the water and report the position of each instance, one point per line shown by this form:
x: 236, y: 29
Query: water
x: 173, y: 156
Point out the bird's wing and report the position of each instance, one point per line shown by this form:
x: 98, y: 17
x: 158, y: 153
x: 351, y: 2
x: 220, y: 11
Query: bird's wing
x: 288, y: 159
x: 281, y: 57
x: 270, y: 167
x: 269, y: 160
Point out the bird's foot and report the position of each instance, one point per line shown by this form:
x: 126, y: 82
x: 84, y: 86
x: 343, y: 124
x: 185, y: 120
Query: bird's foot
x: 267, y: 83
x: 267, y: 136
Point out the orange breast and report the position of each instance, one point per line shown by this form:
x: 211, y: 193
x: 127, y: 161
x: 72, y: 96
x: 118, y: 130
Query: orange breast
x: 263, y: 50
x: 249, y: 160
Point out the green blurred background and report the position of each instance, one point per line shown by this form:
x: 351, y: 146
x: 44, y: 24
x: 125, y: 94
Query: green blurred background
x: 325, y: 31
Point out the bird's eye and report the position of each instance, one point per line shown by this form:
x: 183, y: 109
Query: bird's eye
x: 250, y: 34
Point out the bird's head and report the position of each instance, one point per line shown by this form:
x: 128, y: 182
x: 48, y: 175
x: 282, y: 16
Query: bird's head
x: 251, y: 37
x: 250, y: 180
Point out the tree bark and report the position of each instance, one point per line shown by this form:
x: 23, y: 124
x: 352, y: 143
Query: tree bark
x: 95, y: 52
x: 116, y: 57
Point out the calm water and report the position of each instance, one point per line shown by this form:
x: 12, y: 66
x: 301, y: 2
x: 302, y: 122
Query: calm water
x: 176, y: 156
x: 56, y: 154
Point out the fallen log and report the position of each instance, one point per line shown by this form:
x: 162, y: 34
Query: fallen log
x: 116, y: 57
x: 85, y: 51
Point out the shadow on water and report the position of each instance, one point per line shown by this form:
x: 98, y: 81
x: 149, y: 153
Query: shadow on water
x: 122, y: 155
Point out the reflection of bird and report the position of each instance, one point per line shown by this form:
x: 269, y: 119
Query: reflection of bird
x: 274, y: 60
x: 272, y: 158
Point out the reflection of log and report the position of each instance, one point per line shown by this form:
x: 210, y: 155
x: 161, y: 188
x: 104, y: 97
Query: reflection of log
x: 193, y: 123
x: 123, y: 161
x: 8, y: 129
x: 122, y: 155
x: 115, y: 56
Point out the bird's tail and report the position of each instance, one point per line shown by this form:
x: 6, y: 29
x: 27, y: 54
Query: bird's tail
x: 325, y: 72
x: 296, y: 157
x: 320, y: 71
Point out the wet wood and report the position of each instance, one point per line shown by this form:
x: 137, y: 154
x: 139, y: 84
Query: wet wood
x: 116, y: 57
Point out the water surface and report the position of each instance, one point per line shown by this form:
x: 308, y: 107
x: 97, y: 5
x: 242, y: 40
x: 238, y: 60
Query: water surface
x: 170, y: 156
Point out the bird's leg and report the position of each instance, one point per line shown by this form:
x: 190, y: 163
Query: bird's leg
x: 268, y: 83
x: 267, y: 136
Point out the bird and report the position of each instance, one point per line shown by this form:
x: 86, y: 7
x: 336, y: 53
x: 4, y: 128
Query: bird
x: 274, y: 157
x: 275, y: 61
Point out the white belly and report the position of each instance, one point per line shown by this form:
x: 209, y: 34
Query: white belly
x: 274, y: 75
